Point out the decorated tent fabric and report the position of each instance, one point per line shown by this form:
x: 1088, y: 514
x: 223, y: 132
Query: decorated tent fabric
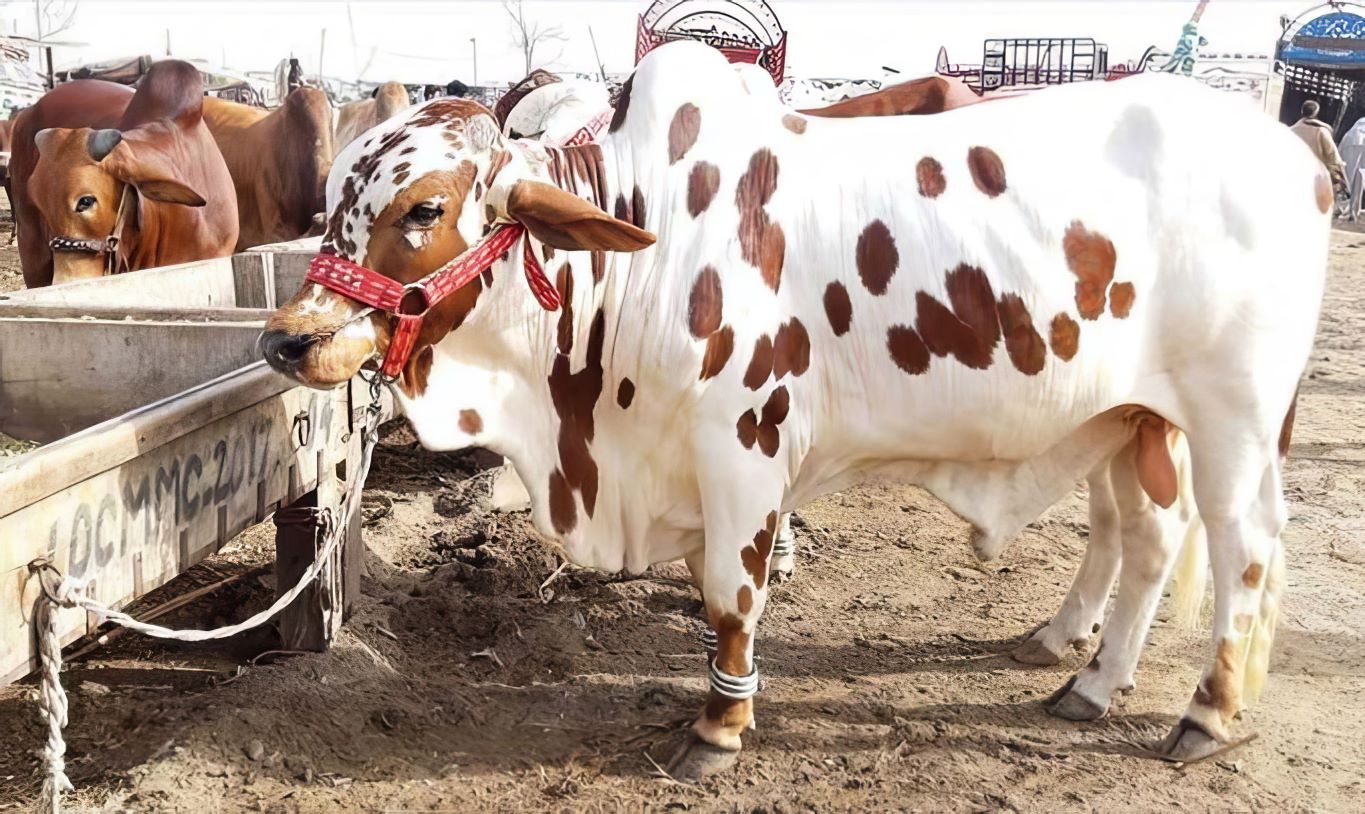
x: 1334, y: 40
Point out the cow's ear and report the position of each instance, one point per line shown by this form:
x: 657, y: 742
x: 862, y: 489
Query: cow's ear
x: 564, y: 221
x: 145, y: 163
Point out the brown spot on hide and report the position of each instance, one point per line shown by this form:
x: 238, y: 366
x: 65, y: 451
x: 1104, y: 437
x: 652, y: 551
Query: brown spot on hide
x: 1322, y: 190
x: 745, y: 599
x: 761, y: 242
x: 622, y: 208
x: 682, y: 132
x: 702, y: 184
x: 791, y: 350
x: 563, y: 510
x: 574, y: 396
x: 929, y: 174
x: 564, y: 283
x: 1066, y: 337
x: 599, y: 266
x: 794, y: 123
x: 1252, y: 576
x: 755, y: 557
x: 618, y: 116
x: 876, y: 257
x: 705, y: 306
x: 637, y: 208
x: 761, y: 365
x: 625, y: 393
x: 1022, y: 342
x: 988, y: 171
x: 971, y: 330
x: 774, y: 413
x: 471, y: 423
x: 719, y: 346
x: 747, y: 428
x: 838, y: 308
x: 1243, y: 622
x: 907, y: 349
x: 1121, y: 298
x: 1091, y: 257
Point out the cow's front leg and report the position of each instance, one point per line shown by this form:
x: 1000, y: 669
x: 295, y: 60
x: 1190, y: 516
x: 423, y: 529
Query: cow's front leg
x: 740, y: 535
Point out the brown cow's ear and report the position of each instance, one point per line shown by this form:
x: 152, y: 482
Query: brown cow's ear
x: 564, y: 221
x: 168, y: 190
x: 140, y: 160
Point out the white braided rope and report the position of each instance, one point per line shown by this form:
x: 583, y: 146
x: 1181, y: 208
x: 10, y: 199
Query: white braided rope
x: 52, y: 706
x: 68, y: 592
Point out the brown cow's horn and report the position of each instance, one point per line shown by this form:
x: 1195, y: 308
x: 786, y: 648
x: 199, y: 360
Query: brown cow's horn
x: 103, y: 142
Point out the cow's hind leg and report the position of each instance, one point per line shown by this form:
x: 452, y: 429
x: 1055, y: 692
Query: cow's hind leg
x: 1238, y: 491
x: 739, y: 542
x: 1148, y: 556
x: 1083, y: 609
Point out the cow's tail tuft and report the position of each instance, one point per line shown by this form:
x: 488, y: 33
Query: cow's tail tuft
x: 1191, y: 574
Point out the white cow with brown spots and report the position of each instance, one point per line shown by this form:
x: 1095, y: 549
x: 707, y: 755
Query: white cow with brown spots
x: 979, y: 302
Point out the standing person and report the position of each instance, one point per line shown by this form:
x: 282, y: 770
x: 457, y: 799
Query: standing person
x: 1352, y: 149
x: 1317, y: 135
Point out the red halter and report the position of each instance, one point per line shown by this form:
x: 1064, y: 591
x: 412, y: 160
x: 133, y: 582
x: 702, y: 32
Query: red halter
x: 369, y: 287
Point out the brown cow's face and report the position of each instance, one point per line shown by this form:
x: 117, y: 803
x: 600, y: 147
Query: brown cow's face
x: 77, y: 198
x: 78, y: 186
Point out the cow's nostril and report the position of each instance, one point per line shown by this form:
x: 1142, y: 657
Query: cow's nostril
x: 284, y: 350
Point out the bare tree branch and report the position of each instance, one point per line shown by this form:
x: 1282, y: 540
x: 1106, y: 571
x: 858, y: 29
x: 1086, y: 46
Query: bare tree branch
x: 527, y: 34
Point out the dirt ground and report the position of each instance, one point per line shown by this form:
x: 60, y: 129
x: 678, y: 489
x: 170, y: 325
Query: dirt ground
x: 460, y: 685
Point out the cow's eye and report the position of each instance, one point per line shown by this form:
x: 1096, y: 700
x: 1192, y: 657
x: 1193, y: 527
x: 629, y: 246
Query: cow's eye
x: 422, y: 216
x: 85, y: 202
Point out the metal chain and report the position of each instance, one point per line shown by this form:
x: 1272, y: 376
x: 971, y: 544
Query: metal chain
x: 60, y: 591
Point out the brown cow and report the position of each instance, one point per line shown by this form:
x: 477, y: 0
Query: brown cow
x: 389, y: 99
x: 279, y: 162
x: 105, y: 179
x: 932, y: 94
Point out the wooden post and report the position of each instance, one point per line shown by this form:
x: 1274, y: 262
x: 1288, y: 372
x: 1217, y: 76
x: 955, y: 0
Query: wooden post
x: 306, y: 624
x: 313, y: 620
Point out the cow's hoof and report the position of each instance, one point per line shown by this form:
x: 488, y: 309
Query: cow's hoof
x: 1187, y: 743
x: 986, y: 546
x: 1035, y: 652
x: 697, y: 759
x: 1071, y: 705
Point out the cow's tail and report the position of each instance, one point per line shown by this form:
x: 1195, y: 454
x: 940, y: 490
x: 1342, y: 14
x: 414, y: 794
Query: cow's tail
x: 1191, y: 574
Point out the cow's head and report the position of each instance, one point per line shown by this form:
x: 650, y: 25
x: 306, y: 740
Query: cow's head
x: 79, y: 181
x: 405, y: 200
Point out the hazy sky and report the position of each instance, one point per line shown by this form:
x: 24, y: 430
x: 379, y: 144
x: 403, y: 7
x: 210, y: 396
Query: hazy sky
x: 426, y: 40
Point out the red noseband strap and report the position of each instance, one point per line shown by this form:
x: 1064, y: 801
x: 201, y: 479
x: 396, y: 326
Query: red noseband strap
x: 371, y: 288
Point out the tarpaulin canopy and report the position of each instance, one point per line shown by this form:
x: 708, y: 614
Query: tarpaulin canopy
x: 1332, y: 40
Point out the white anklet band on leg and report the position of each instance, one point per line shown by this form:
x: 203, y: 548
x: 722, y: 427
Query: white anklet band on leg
x: 738, y: 688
